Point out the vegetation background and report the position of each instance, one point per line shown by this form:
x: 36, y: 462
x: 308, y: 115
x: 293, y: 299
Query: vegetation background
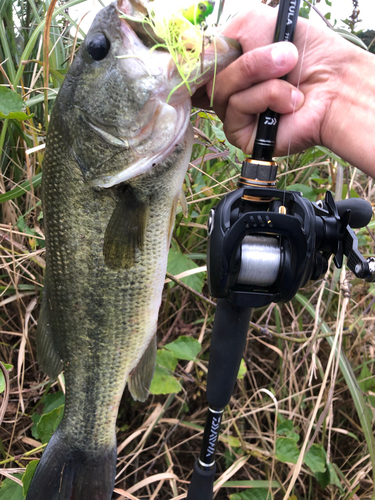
x: 307, y: 379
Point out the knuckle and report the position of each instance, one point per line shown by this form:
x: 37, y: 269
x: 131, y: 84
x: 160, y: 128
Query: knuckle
x: 234, y: 101
x: 274, y: 91
x: 249, y: 64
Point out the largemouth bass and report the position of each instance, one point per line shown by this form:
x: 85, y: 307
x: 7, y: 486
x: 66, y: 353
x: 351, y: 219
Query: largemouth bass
x: 117, y: 153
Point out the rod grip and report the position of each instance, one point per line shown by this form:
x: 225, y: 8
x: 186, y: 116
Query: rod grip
x: 265, y: 140
x: 227, y: 346
x: 202, y: 484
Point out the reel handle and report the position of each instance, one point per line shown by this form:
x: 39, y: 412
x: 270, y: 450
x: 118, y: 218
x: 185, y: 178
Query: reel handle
x: 361, y: 211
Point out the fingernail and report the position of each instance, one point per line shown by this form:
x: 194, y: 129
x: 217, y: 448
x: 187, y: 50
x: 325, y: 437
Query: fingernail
x: 280, y: 54
x: 297, y: 98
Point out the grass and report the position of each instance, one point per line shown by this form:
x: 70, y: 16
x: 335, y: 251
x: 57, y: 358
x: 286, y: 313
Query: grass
x: 309, y: 381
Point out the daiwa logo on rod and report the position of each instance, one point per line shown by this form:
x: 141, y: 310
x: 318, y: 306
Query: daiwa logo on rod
x: 213, y: 436
x: 292, y: 9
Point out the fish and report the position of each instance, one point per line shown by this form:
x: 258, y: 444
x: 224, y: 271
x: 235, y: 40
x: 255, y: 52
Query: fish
x: 117, y: 151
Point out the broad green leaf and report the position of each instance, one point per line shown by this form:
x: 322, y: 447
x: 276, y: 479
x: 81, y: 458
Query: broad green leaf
x: 253, y: 494
x: 164, y: 383
x: 184, y: 348
x: 315, y: 458
x: 219, y: 134
x: 328, y: 477
x: 35, y: 417
x: 12, y: 105
x: 28, y: 475
x: 18, y: 115
x: 243, y: 369
x: 2, y: 378
x: 287, y: 450
x: 178, y: 263
x: 10, y: 101
x: 50, y: 403
x: 286, y: 429
x: 306, y: 191
x: 353, y: 192
x: 304, y: 12
x: 319, y: 180
x: 48, y: 423
x: 235, y: 154
x: 10, y: 490
x: 166, y: 359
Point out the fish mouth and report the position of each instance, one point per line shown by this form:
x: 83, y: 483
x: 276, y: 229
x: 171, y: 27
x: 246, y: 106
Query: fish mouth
x: 164, y: 118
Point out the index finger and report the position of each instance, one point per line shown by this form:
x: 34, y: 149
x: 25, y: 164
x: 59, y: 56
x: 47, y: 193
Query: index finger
x: 258, y: 65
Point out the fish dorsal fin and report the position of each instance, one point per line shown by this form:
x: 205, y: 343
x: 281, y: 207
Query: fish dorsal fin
x: 125, y: 231
x: 140, y: 378
x: 46, y: 340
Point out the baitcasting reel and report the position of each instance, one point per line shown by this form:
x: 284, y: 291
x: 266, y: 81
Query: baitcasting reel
x: 264, y: 244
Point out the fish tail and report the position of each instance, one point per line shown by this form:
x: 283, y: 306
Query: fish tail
x: 67, y: 473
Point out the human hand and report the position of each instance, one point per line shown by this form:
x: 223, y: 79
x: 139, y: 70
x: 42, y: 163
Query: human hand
x: 331, y: 104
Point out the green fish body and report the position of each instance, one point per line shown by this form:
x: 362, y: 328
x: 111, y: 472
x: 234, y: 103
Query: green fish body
x: 116, y: 158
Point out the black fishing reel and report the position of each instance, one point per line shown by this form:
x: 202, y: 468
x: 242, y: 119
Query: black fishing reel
x: 264, y: 244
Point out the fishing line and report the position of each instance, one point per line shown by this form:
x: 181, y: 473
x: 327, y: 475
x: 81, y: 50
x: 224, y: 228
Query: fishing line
x: 214, y: 78
x: 294, y: 105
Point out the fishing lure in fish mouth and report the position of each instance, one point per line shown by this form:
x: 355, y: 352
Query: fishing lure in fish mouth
x: 179, y: 28
x: 198, y: 12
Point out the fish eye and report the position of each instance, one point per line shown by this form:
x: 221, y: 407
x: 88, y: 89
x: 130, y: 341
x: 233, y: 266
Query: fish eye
x: 98, y: 46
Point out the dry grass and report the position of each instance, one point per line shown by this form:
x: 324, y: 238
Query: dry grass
x: 158, y: 441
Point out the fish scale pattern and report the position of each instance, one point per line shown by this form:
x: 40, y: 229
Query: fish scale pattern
x: 104, y: 318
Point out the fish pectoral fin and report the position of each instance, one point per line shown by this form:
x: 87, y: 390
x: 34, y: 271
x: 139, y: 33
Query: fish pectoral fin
x: 140, y: 378
x: 125, y: 232
x: 46, y: 340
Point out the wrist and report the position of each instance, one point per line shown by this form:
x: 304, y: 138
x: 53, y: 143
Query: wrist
x: 348, y: 127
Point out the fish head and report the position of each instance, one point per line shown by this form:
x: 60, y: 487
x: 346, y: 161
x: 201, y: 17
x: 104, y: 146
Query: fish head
x: 124, y: 100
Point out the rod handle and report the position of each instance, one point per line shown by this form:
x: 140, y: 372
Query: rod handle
x: 202, y: 484
x: 268, y: 122
x: 228, y: 342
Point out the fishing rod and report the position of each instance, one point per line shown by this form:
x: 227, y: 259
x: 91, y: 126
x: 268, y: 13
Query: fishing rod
x: 263, y: 245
